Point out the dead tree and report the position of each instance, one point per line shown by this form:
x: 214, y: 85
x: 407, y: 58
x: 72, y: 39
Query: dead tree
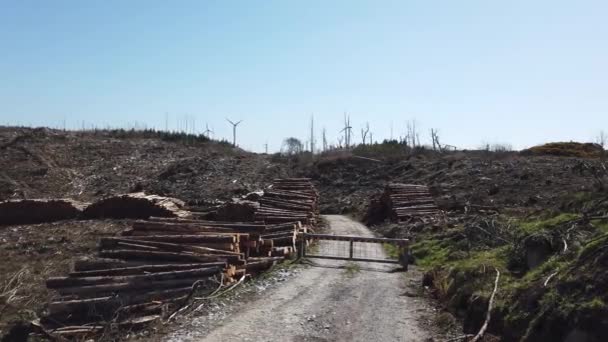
x: 364, y: 133
x: 435, y: 137
x: 340, y: 139
x: 312, y: 135
x: 602, y: 139
x: 412, y: 134
x: 234, y: 131
x: 324, y: 140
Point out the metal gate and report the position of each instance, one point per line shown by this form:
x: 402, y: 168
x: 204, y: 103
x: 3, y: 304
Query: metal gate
x: 354, y: 248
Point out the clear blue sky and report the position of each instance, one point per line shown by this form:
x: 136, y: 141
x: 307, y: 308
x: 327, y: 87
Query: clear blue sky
x: 521, y: 72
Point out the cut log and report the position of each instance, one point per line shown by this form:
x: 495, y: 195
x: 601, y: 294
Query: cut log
x: 60, y: 282
x: 113, y: 243
x: 145, y: 269
x: 193, y: 239
x: 127, y: 254
x: 97, y: 290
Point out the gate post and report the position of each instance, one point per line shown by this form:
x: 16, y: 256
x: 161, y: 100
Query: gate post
x: 302, y: 246
x: 404, y: 259
x: 351, y: 248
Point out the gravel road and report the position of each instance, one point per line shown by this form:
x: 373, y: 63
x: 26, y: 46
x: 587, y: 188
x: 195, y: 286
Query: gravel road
x: 330, y: 301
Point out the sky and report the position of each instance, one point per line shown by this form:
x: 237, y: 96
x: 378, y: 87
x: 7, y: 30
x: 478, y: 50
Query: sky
x: 511, y: 72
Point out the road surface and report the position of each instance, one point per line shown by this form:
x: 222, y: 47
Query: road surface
x: 330, y: 301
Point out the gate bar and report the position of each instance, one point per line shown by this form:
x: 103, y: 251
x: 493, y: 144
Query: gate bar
x: 402, y: 243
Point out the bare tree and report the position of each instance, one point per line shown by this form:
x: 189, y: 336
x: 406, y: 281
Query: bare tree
x: 340, y: 139
x: 234, y: 130
x: 364, y: 133
x: 412, y: 134
x: 435, y: 137
x: 312, y: 135
x: 292, y: 146
x: 324, y: 140
x: 602, y: 139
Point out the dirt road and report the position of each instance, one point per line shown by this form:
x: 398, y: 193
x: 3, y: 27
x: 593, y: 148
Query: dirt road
x: 330, y: 302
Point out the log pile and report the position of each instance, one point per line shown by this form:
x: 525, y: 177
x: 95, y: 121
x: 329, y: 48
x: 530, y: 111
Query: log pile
x: 156, y: 265
x: 30, y: 211
x: 400, y: 202
x: 137, y: 206
x: 409, y: 200
x: 287, y: 200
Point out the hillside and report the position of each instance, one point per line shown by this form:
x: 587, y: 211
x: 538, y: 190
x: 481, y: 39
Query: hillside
x: 497, y: 205
x: 43, y: 163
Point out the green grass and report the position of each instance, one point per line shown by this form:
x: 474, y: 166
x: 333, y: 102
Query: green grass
x: 392, y: 251
x: 534, y: 225
x: 351, y: 269
x: 431, y: 253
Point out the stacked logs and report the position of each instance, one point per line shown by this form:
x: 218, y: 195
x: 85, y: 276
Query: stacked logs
x: 409, y: 200
x: 287, y: 200
x: 156, y: 265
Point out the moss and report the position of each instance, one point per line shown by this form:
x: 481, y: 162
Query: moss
x: 600, y: 225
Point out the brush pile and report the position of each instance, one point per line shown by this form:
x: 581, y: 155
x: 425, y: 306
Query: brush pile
x: 30, y: 211
x: 290, y: 199
x: 155, y: 267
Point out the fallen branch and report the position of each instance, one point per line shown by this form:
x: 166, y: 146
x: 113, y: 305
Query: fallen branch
x: 549, y: 278
x: 370, y: 159
x: 484, y: 327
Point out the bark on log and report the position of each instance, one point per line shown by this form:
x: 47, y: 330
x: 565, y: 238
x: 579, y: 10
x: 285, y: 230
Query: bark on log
x: 112, y: 243
x: 202, y: 238
x: 126, y: 254
x: 60, y: 282
x: 145, y: 269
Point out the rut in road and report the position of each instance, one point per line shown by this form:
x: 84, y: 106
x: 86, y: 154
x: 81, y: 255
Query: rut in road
x: 324, y: 303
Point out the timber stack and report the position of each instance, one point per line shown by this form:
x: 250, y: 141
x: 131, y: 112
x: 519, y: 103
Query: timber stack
x: 154, y: 268
x: 409, y: 200
x: 288, y: 200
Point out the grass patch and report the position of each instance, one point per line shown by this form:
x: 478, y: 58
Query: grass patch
x: 391, y: 250
x: 534, y: 225
x: 351, y: 269
x: 431, y: 252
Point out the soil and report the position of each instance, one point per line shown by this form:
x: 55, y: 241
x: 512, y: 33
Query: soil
x: 327, y: 302
x: 32, y: 253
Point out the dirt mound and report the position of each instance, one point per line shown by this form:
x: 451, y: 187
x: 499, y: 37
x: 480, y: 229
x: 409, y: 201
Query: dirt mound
x: 39, y: 210
x: 136, y: 205
x: 566, y: 149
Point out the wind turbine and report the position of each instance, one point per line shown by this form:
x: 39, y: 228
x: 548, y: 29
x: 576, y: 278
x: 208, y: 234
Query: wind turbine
x: 347, y: 130
x: 234, y: 130
x: 207, y: 131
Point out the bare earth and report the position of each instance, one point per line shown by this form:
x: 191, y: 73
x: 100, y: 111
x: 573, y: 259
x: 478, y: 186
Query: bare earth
x: 325, y: 302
